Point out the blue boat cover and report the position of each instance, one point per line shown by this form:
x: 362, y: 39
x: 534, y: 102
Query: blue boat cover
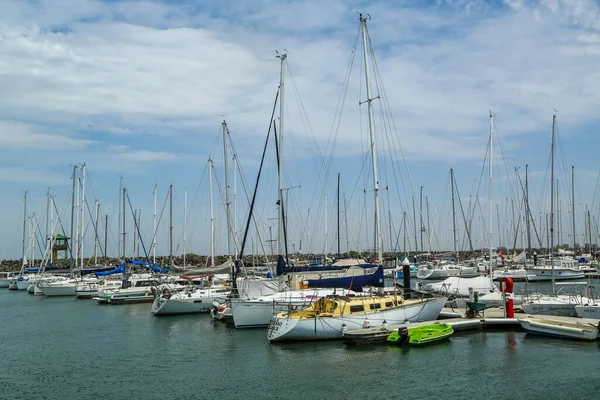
x: 119, y: 270
x: 355, y: 283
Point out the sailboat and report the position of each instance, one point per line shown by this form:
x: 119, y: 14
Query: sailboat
x: 555, y: 304
x: 331, y: 316
x: 463, y: 288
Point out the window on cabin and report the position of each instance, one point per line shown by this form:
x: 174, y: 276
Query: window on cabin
x: 389, y: 304
x: 357, y: 309
x: 375, y: 306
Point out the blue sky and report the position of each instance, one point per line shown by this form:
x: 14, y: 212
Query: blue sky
x: 138, y: 89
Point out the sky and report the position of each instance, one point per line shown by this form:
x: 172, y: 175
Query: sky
x: 138, y: 90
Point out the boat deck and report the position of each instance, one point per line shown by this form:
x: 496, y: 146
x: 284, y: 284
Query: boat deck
x: 493, y: 319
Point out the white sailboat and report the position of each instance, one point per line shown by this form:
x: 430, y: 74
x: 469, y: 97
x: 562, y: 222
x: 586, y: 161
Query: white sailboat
x: 555, y: 304
x: 330, y: 317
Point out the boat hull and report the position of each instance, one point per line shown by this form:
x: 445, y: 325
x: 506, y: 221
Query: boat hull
x: 172, y: 306
x: 320, y: 328
x: 62, y: 290
x: 545, y: 275
x: 589, y: 311
x: 560, y: 310
x: 4, y: 283
x: 23, y: 285
x: 558, y: 329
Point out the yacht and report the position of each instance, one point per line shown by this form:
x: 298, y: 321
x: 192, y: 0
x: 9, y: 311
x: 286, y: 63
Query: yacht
x: 190, y: 300
x: 330, y: 317
x: 138, y: 288
x: 563, y: 270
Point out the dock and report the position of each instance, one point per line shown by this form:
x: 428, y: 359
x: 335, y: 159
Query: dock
x: 491, y: 318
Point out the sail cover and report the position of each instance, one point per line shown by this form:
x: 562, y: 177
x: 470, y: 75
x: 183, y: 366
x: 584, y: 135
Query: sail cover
x: 355, y: 283
x: 119, y: 270
x: 224, y: 268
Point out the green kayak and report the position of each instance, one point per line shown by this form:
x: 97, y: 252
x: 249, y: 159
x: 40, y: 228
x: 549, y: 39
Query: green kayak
x: 421, y: 335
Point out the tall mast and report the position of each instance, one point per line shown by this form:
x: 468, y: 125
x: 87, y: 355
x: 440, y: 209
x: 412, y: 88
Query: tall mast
x: 77, y: 221
x: 212, y: 218
x: 48, y: 241
x: 154, y: 230
x: 491, y: 237
x: 184, y: 224
x: 171, y: 225
x: 24, y: 227
x: 573, y: 203
x: 139, y: 240
x: 552, y: 150
x: 96, y: 232
x: 226, y: 165
x: 338, y: 216
x: 453, y: 213
x: 123, y: 222
x: 527, y: 213
x: 346, y: 225
x: 378, y: 238
x: 428, y: 225
x: 421, y: 217
x: 71, y: 261
x: 105, y: 237
x: 82, y: 212
x: 52, y: 230
x: 415, y: 224
x: 235, y: 238
x: 282, y: 57
x: 326, y: 230
x: 135, y: 236
x: 404, y: 223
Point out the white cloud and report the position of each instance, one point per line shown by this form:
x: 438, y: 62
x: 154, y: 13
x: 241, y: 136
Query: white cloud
x: 131, y: 85
x: 20, y: 136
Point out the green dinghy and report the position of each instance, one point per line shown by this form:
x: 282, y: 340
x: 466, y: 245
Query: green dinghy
x: 421, y: 335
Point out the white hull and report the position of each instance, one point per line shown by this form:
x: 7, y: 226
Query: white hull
x: 445, y: 272
x: 550, y: 308
x: 31, y: 288
x: 545, y: 275
x: 319, y: 328
x: 23, y: 285
x: 589, y: 311
x: 252, y: 314
x: 558, y: 329
x: 37, y: 291
x: 58, y: 290
x: 4, y: 283
x: 123, y: 296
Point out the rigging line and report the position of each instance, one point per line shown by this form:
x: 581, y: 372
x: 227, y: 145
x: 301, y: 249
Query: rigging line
x: 160, y: 218
x: 528, y: 210
x: 385, y: 101
x: 333, y: 136
x: 198, y: 198
x: 245, y: 185
x: 137, y: 228
x: 462, y: 211
x: 271, y: 122
x: 498, y: 141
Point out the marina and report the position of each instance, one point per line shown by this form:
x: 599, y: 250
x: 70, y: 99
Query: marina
x: 389, y: 209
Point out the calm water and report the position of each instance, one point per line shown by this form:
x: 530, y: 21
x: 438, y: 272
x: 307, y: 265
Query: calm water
x: 63, y: 348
